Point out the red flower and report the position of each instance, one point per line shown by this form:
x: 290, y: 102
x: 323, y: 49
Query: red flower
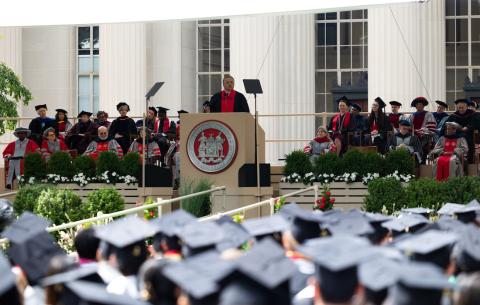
x: 152, y: 214
x: 332, y: 200
x: 328, y: 193
x: 322, y: 206
x: 324, y: 200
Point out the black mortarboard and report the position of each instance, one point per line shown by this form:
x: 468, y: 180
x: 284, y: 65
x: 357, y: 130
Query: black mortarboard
x: 450, y: 225
x: 155, y: 112
x: 419, y: 100
x: 467, y: 249
x: 432, y: 246
x: 395, y: 103
x: 171, y: 223
x: 461, y: 100
x: 420, y: 211
x: 262, y: 227
x: 380, y: 102
x: 206, y: 103
x: 464, y: 213
x: 38, y: 107
x: 406, y: 223
x: 88, y: 272
x: 303, y: 224
x: 7, y: 280
x: 376, y: 220
x: 404, y: 123
x: 25, y: 227
x: 356, y: 107
x: 443, y: 104
x: 450, y: 209
x: 34, y: 254
x: 83, y: 112
x: 121, y: 104
x: 419, y: 284
x: 200, y: 236
x: 234, y: 236
x: 182, y: 111
x: 88, y: 293
x: 242, y: 290
x: 162, y: 109
x: 125, y: 231
x: 344, y: 99
x: 350, y: 225
x: 61, y: 110
x: 378, y: 273
x: 172, y: 129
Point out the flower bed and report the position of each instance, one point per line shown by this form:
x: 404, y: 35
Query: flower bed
x: 81, y: 179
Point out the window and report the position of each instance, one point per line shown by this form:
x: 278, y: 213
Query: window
x: 88, y: 68
x: 340, y: 53
x: 213, y: 57
x: 462, y: 45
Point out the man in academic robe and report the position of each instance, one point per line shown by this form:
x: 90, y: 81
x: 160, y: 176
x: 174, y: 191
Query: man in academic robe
x: 103, y: 143
x: 440, y: 117
x: 228, y: 100
x: 102, y: 119
x: 404, y: 139
x: 151, y: 119
x: 153, y: 151
x: 395, y: 115
x: 424, y: 124
x: 163, y: 123
x: 468, y: 121
x: 359, y: 124
x: 82, y: 133
x: 39, y: 124
x: 123, y: 128
x: 16, y: 151
x: 172, y: 156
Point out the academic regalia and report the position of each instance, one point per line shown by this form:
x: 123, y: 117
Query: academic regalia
x: 340, y: 126
x: 451, y: 150
x: 152, y: 152
x: 411, y: 141
x: 124, y: 126
x: 394, y: 118
x: 233, y: 102
x: 382, y: 125
x: 161, y: 125
x: 150, y: 123
x: 469, y: 119
x: 105, y: 123
x: 17, y: 151
x: 319, y: 146
x: 80, y: 143
x: 98, y: 146
x: 49, y: 148
x: 38, y: 125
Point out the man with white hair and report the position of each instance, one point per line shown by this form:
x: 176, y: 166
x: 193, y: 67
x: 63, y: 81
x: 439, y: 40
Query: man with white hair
x: 103, y: 143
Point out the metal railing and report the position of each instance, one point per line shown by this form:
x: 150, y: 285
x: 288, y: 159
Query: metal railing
x: 270, y: 202
x: 8, y: 194
x: 160, y: 202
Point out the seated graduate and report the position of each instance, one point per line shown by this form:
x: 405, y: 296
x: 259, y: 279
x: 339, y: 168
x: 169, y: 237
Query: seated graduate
x: 38, y: 125
x: 81, y: 134
x: 440, y: 115
x: 359, y: 124
x: 102, y: 119
x: 341, y: 125
x: 449, y: 152
x: 153, y: 151
x: 16, y: 151
x: 395, y: 116
x: 321, y: 144
x: 123, y: 128
x: 151, y: 119
x: 378, y: 126
x: 103, y: 143
x: 405, y: 139
x: 51, y: 143
x: 63, y: 125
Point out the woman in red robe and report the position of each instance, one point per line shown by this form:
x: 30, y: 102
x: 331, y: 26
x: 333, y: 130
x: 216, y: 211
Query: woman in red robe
x: 63, y: 125
x: 51, y: 143
x: 341, y: 125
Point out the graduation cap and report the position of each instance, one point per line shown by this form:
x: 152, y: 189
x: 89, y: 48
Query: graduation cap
x: 376, y: 220
x: 122, y: 104
x: 181, y: 111
x: 155, y: 112
x: 449, y: 209
x: 351, y: 225
x: 464, y: 213
x: 303, y: 224
x: 467, y: 249
x: 200, y: 236
x: 33, y: 255
x: 87, y: 272
x: 83, y: 112
x: 344, y: 99
x: 450, y: 225
x: 25, y: 227
x: 432, y: 246
x: 7, y: 280
x: 463, y: 101
x: 356, y: 107
x: 206, y: 103
x: 405, y: 224
x: 162, y: 110
x: 419, y: 283
x: 38, y: 107
x: 419, y: 100
x: 404, y: 123
x: 87, y: 293
x: 125, y: 231
x: 380, y: 102
x: 61, y: 110
x: 267, y: 226
x: 379, y: 273
x: 7, y: 214
x: 234, y: 236
x: 443, y: 104
x: 172, y: 223
x: 395, y: 103
x: 419, y: 211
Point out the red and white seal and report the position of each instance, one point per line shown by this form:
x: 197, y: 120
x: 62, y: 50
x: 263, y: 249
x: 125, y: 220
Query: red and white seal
x: 211, y: 146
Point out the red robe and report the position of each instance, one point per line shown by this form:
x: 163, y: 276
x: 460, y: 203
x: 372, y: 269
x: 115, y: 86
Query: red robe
x: 227, y: 102
x: 443, y: 162
x: 10, y: 150
x: 63, y: 147
x: 166, y: 125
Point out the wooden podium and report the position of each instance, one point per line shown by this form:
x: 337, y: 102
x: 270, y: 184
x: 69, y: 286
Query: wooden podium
x: 215, y: 146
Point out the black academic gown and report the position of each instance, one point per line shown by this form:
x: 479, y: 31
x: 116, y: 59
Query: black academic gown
x: 471, y: 120
x: 126, y: 128
x: 150, y: 124
x: 240, y: 103
x: 384, y: 128
x: 80, y: 143
x: 37, y: 126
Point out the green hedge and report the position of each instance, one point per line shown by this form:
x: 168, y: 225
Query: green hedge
x: 85, y: 165
x: 60, y: 163
x: 200, y: 205
x: 388, y: 195
x: 297, y: 162
x: 108, y: 161
x: 106, y: 200
x: 130, y: 165
x: 26, y: 198
x: 34, y: 166
x: 328, y: 163
x: 60, y: 206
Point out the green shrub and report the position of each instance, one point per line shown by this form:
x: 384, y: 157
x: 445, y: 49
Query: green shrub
x: 60, y: 163
x: 400, y: 160
x: 353, y: 162
x: 297, y: 162
x: 384, y: 195
x: 60, y: 206
x: 27, y: 196
x: 106, y: 200
x: 462, y: 189
x: 200, y: 205
x: 85, y: 165
x: 108, y: 161
x: 130, y: 165
x: 426, y: 193
x: 328, y: 163
x: 34, y: 166
x: 373, y: 163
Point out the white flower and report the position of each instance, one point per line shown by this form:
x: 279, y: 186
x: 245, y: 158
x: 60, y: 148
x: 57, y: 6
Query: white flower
x: 114, y: 174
